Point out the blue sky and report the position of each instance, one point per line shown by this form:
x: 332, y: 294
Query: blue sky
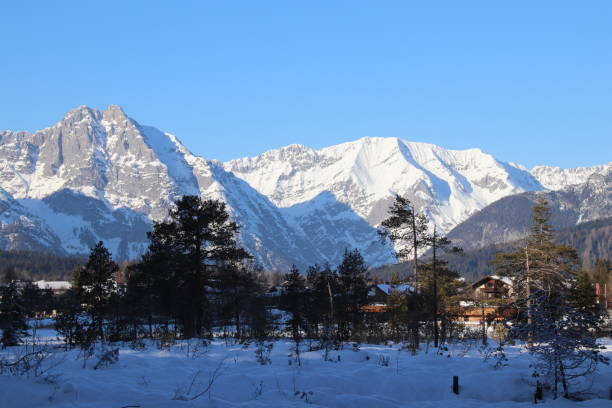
x: 527, y: 81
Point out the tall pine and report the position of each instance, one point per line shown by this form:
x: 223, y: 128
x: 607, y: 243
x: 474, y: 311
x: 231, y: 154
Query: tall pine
x: 557, y: 326
x: 95, y: 284
x: 12, y: 316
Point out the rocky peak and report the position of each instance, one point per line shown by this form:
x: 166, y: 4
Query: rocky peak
x: 78, y: 115
x: 114, y: 113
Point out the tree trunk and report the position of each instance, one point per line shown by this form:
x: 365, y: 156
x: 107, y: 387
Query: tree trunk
x: 435, y: 292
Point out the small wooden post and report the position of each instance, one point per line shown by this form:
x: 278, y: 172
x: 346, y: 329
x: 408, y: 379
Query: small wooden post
x: 456, y: 384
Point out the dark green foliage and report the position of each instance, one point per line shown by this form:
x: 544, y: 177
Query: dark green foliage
x: 72, y: 323
x: 12, y: 316
x: 352, y: 275
x: 293, y: 302
x: 30, y: 265
x: 583, y: 295
x: 36, y: 301
x: 184, y: 250
x: 406, y: 228
x: 559, y: 314
x: 237, y: 289
x: 95, y: 284
x: 323, y: 286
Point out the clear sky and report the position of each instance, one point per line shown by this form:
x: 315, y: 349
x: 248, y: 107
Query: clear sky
x: 527, y: 81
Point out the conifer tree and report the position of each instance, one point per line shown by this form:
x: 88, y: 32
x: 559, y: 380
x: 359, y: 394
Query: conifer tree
x: 352, y: 274
x: 443, y: 289
x: 323, y: 287
x: 406, y: 228
x: 12, y: 316
x: 440, y: 279
x: 557, y: 327
x: 293, y: 303
x: 583, y: 295
x: 95, y: 284
x: 238, y: 287
x: 397, y: 305
x: 197, y: 236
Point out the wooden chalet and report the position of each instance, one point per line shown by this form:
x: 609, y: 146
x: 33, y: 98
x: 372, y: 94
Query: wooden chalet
x: 378, y: 295
x: 492, y: 287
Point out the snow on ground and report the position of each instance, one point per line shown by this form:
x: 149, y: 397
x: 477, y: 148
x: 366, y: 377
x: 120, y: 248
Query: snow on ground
x: 153, y: 378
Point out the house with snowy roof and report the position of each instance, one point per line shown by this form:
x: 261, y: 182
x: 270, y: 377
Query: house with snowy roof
x: 493, y: 287
x: 378, y: 295
x: 57, y: 287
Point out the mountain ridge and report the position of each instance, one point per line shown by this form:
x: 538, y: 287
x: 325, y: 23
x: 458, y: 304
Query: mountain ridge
x: 296, y: 204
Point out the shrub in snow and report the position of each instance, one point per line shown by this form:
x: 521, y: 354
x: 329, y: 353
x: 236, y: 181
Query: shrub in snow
x: 196, y: 387
x: 495, y: 355
x: 563, y: 347
x: 304, y: 395
x: 39, y: 362
x: 384, y: 360
x: 262, y: 352
x: 107, y: 358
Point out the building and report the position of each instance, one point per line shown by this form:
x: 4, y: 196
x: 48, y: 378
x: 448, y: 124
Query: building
x: 57, y: 287
x: 490, y: 295
x: 378, y: 295
x: 492, y: 287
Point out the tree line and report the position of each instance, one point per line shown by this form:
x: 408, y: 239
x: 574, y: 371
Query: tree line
x: 195, y: 281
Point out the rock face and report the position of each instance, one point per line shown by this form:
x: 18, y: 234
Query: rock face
x: 509, y: 218
x: 449, y: 185
x: 103, y: 176
x: 556, y: 178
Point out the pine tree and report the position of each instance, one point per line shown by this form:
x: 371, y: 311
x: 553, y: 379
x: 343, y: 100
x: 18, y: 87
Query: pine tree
x: 406, y: 228
x: 12, y: 316
x: 397, y: 306
x: 443, y: 289
x: 352, y: 274
x: 95, y: 283
x: 441, y: 279
x: 197, y: 236
x: 238, y: 287
x: 323, y: 287
x: 71, y: 323
x: 293, y: 303
x: 556, y: 322
x: 583, y: 295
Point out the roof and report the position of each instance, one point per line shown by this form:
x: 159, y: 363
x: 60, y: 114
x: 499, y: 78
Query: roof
x: 53, y: 285
x: 503, y: 279
x: 387, y: 288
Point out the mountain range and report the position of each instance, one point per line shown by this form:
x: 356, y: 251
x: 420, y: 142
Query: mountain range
x: 100, y: 175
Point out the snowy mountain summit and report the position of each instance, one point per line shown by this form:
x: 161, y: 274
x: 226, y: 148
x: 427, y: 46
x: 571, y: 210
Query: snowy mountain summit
x: 103, y: 176
x: 449, y: 184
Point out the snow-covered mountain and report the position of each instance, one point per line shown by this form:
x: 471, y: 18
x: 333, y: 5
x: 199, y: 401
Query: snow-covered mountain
x: 556, y: 178
x: 509, y: 219
x: 102, y: 175
x: 364, y: 175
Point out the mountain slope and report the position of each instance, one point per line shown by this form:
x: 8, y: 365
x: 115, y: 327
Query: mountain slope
x: 21, y: 229
x: 556, y: 178
x: 509, y: 218
x: 449, y: 184
x: 590, y: 239
x: 103, y: 176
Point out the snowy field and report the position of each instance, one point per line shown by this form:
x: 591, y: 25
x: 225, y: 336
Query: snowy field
x: 372, y: 376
